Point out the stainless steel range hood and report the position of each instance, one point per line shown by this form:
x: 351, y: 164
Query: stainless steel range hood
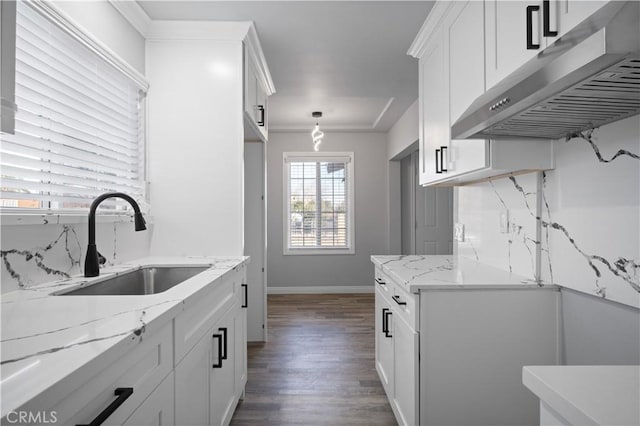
x: 587, y: 78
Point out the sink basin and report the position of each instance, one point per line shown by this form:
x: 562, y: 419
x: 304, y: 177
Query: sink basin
x: 148, y: 280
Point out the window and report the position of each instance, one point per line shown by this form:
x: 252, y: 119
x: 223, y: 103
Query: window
x: 318, y: 200
x: 79, y: 125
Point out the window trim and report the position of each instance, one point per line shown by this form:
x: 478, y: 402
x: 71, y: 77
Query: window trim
x: 288, y: 157
x: 59, y: 18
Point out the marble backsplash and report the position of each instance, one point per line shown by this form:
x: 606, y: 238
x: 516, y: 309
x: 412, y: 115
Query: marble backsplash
x: 37, y: 253
x: 577, y: 225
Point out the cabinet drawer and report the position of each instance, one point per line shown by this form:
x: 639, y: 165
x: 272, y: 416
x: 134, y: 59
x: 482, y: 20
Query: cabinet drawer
x: 194, y: 321
x: 142, y: 369
x: 384, y: 284
x: 157, y: 409
x: 406, y: 305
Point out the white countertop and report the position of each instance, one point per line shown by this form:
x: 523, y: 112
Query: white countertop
x: 588, y: 395
x: 446, y: 272
x: 49, y: 341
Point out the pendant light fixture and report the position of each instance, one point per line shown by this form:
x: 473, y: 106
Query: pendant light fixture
x: 317, y: 134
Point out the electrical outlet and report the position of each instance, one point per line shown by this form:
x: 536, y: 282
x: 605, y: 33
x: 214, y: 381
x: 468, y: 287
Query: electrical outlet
x: 504, y: 221
x: 458, y: 232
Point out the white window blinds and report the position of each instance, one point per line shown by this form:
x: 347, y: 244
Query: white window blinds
x: 319, y: 203
x: 79, y: 128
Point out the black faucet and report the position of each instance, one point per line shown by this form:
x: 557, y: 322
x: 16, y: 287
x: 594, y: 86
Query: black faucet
x: 92, y: 261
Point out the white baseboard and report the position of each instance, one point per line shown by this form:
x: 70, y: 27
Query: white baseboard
x: 328, y: 289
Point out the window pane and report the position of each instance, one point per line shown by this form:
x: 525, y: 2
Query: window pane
x: 318, y: 220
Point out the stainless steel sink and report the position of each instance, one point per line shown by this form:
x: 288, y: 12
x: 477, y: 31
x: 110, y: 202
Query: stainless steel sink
x: 148, y: 280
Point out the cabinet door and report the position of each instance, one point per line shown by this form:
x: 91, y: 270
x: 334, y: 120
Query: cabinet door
x: 157, y: 409
x: 434, y: 111
x: 240, y: 351
x: 406, y: 372
x: 506, y: 42
x: 223, y: 378
x: 384, y: 343
x: 566, y: 14
x: 466, y: 83
x: 192, y: 377
x: 262, y: 119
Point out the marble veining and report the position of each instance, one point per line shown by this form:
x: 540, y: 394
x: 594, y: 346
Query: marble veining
x: 588, y: 136
x: 438, y: 272
x: 37, y: 255
x: 517, y: 230
x: 623, y: 268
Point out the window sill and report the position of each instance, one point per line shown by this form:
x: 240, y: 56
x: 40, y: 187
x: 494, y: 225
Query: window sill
x: 317, y: 251
x: 12, y: 219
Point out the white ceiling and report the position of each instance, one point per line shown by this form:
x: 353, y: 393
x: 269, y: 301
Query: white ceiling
x: 345, y: 58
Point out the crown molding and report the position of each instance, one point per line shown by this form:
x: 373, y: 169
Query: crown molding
x: 132, y: 12
x: 431, y: 24
x: 254, y: 50
x: 382, y: 113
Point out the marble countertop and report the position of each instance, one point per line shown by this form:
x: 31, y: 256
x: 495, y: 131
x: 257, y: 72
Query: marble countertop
x: 446, y: 272
x: 588, y: 395
x: 49, y: 341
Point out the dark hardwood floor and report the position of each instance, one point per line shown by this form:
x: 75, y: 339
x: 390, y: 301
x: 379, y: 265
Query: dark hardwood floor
x: 318, y: 365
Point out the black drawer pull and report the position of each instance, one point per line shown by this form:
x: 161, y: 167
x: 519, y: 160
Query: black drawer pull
x: 224, y: 337
x: 546, y: 27
x: 530, y: 44
x: 122, y: 395
x: 218, y: 364
x: 387, y: 332
x: 246, y: 296
x: 397, y: 300
x: 379, y: 281
x: 261, y: 121
x: 437, y: 166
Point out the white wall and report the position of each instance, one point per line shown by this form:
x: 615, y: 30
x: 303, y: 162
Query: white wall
x: 590, y: 210
x: 195, y: 146
x: 402, y: 139
x: 370, y: 165
x: 117, y: 242
x: 104, y: 22
x: 403, y: 133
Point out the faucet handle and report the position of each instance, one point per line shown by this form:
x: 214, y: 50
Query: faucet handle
x: 101, y: 259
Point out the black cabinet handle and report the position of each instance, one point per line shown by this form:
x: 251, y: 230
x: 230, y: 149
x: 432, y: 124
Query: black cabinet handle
x: 245, y: 304
x: 546, y: 17
x: 398, y: 301
x: 387, y: 314
x: 385, y: 326
x: 261, y: 121
x: 122, y: 395
x: 437, y: 167
x: 530, y: 44
x: 442, y: 163
x: 219, y: 363
x: 379, y: 281
x: 224, y: 337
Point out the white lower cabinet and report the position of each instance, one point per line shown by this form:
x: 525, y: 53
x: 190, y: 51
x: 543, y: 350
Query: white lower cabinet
x: 210, y: 378
x: 455, y: 357
x: 397, y: 350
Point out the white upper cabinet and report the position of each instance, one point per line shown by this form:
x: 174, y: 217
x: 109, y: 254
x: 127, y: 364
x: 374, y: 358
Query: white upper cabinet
x: 257, y: 88
x: 466, y: 82
x: 463, y: 48
x: 434, y: 133
x: 514, y: 35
